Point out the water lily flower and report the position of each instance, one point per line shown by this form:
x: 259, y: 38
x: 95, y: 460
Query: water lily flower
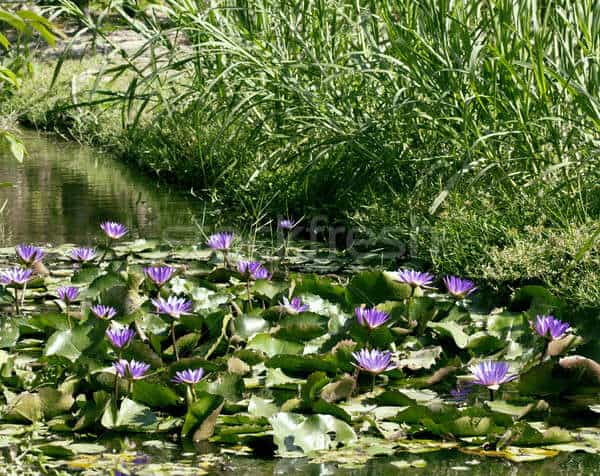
x: 294, y: 306
x: 371, y: 318
x: 491, y: 374
x: 374, y: 361
x: 131, y: 369
x: 159, y: 275
x: 172, y: 306
x: 15, y: 275
x: 67, y: 294
x: 29, y: 254
x: 550, y: 328
x: 188, y: 376
x: 120, y: 336
x: 220, y: 241
x: 82, y: 255
x: 458, y: 287
x: 416, y: 279
x: 114, y: 230
x: 104, y: 312
x: 461, y: 393
x: 286, y: 224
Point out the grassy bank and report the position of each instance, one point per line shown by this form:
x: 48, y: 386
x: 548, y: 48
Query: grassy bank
x: 466, y: 129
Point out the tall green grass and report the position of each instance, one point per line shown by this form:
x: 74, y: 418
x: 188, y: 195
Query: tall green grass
x: 313, y: 97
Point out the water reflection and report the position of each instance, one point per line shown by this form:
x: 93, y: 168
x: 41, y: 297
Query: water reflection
x: 63, y: 191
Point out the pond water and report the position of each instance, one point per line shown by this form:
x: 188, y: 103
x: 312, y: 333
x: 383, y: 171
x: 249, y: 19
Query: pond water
x: 62, y: 191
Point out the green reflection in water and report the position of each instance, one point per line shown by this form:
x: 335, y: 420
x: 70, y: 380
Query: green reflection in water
x: 62, y: 191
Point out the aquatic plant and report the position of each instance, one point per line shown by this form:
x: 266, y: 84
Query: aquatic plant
x: 131, y: 369
x: 82, y: 255
x: 371, y: 318
x: 159, y: 275
x: 459, y: 287
x: 550, y: 328
x: 114, y: 230
x: 29, y: 254
x: 103, y: 312
x: 294, y: 305
x: 174, y: 307
x: 491, y: 374
x: 16, y: 277
x: 120, y: 336
x: 414, y: 278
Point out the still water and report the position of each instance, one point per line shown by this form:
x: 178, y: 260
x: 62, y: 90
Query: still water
x: 62, y: 191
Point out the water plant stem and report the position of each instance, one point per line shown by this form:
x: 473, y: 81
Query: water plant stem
x: 174, y: 340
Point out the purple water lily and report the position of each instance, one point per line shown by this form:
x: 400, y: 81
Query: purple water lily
x: 67, y: 294
x: 104, y: 312
x: 29, y: 254
x: 159, y: 275
x: 220, y: 241
x: 120, y: 336
x: 114, y: 230
x: 131, y: 369
x: 491, y: 374
x: 459, y: 287
x: 15, y: 275
x: 294, y: 306
x: 286, y: 224
x: 254, y: 269
x: 416, y: 279
x: 374, y: 361
x: 82, y: 255
x: 188, y: 376
x: 371, y: 318
x: 172, y: 306
x: 461, y: 393
x: 550, y: 328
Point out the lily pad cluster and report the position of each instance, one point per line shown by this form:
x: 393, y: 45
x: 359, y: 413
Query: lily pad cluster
x: 207, y: 343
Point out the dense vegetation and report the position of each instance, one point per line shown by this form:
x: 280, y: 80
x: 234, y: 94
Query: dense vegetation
x: 467, y: 128
x: 198, y: 343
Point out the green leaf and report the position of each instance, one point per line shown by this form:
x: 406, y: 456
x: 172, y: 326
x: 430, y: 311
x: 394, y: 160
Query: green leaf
x: 70, y: 343
x: 272, y: 346
x: 302, y: 327
x: 301, y: 364
x: 293, y: 432
x: 204, y: 407
x: 154, y: 394
x: 130, y: 416
x: 453, y: 330
x: 374, y: 287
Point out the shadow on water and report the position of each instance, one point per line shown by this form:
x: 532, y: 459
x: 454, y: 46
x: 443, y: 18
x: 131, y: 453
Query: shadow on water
x: 63, y: 190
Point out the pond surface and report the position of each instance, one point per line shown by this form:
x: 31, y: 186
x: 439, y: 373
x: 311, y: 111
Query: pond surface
x: 63, y: 190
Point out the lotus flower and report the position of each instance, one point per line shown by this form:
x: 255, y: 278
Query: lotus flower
x: 458, y: 287
x: 294, y: 306
x: 374, y: 361
x: 550, y: 328
x: 491, y: 374
x: 114, y: 230
x: 416, y: 279
x: 188, y: 376
x: 15, y: 275
x: 461, y: 393
x: 67, y: 294
x: 371, y: 318
x: 131, y: 369
x: 159, y: 275
x: 172, y: 306
x: 82, y: 255
x: 120, y: 337
x: 29, y: 254
x: 220, y: 241
x: 104, y: 312
x: 286, y: 224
